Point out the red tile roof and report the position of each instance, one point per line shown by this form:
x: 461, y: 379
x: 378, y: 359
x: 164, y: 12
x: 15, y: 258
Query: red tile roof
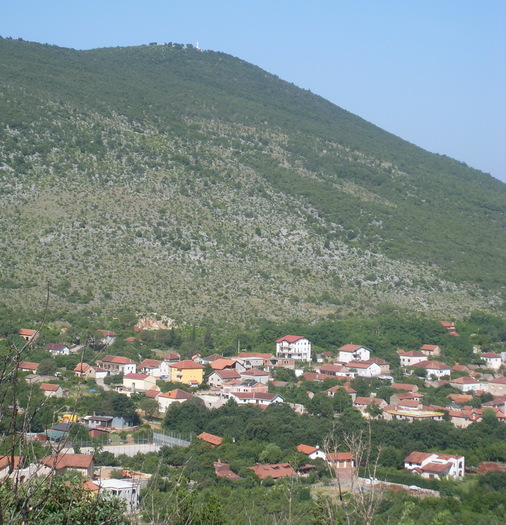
x: 253, y: 355
x: 27, y: 332
x: 150, y: 363
x: 431, y: 365
x: 221, y: 363
x: 404, y: 386
x: 172, y: 356
x: 275, y: 471
x: 429, y: 348
x: 350, y: 348
x: 228, y: 374
x: 134, y: 375
x: 54, y: 346
x: 177, y: 394
x: 107, y: 333
x: 187, y: 364
x: 119, y: 360
x: 81, y: 368
x: 67, y: 460
x: 306, y: 449
x: 48, y: 387
x: 28, y: 366
x: 6, y: 461
x: 211, y: 439
x: 290, y: 338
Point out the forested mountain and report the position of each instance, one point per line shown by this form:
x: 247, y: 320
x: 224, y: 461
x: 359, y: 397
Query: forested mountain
x: 163, y: 178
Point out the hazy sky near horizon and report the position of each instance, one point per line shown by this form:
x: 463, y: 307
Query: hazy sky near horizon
x: 432, y: 72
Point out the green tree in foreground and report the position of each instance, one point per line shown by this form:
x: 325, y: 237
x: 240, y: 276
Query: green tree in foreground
x: 56, y: 501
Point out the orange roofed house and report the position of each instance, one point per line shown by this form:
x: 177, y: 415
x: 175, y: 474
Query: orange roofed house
x: 187, y: 371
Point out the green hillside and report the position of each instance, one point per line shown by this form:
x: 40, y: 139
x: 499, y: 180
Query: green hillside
x: 162, y: 178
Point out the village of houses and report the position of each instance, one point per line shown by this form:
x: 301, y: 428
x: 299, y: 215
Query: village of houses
x: 247, y: 378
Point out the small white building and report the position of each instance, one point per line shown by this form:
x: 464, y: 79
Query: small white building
x: 57, y: 349
x: 492, y: 360
x: 294, y: 347
x: 125, y: 489
x: 435, y: 466
x: 349, y: 353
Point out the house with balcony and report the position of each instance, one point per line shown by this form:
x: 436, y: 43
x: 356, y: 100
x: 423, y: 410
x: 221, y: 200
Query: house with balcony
x: 350, y: 352
x: 187, y: 371
x: 115, y: 364
x: 294, y: 347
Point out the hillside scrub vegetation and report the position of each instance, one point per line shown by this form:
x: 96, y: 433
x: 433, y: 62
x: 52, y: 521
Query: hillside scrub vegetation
x: 166, y: 178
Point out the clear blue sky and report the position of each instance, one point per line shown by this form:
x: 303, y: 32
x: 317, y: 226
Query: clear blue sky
x: 430, y: 71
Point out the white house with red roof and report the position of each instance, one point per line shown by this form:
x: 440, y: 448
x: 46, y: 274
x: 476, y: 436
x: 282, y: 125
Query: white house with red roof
x: 136, y: 382
x: 434, y: 368
x: 465, y: 384
x: 411, y: 358
x: 492, y: 360
x: 435, y: 466
x: 115, y: 364
x: 363, y: 368
x: 294, y: 347
x: 311, y: 452
x: 154, y: 367
x: 27, y: 366
x: 174, y: 396
x: 351, y: 352
x: 57, y: 349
